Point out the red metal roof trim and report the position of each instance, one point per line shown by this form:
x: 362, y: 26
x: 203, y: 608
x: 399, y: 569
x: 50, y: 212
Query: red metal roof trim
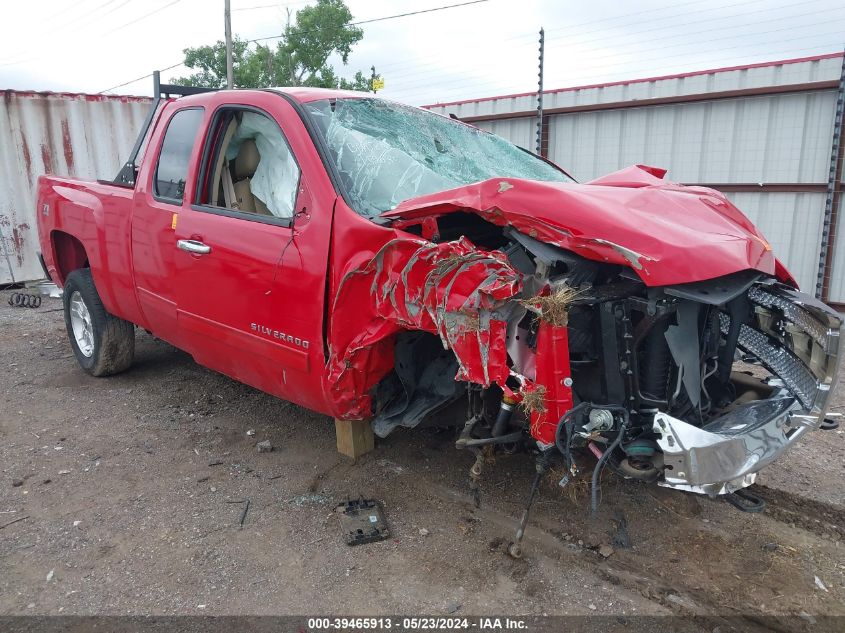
x: 694, y: 73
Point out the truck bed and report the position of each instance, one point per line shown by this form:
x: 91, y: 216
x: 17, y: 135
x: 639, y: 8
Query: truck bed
x: 85, y: 223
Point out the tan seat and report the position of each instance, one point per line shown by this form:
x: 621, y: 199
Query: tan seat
x: 246, y: 162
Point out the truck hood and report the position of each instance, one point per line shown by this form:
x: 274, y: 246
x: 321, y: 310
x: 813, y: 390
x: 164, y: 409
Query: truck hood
x: 668, y: 233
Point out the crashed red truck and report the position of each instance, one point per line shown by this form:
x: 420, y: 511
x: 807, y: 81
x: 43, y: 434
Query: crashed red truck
x: 370, y: 260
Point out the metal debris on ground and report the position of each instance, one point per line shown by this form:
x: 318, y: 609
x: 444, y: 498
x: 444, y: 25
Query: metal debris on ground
x: 13, y: 521
x: 362, y: 521
x: 301, y: 500
x: 243, y: 514
x: 24, y: 300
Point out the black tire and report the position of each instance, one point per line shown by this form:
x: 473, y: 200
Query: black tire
x: 112, y: 339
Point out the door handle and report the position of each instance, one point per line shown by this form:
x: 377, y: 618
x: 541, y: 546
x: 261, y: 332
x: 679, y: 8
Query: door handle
x: 194, y: 247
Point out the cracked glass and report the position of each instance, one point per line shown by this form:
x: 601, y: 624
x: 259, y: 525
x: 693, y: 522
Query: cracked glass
x: 386, y: 152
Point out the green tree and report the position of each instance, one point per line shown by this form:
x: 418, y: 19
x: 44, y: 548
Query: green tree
x: 300, y: 58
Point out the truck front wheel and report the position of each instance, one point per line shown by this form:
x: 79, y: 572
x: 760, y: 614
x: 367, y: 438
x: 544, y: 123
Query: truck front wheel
x: 102, y: 343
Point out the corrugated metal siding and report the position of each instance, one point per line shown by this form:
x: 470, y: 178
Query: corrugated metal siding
x: 792, y: 223
x: 84, y: 136
x: 520, y: 132
x: 782, y: 138
x: 776, y: 139
x: 774, y: 74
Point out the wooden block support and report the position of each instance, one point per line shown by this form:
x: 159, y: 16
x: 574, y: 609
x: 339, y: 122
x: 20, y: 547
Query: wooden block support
x: 354, y: 437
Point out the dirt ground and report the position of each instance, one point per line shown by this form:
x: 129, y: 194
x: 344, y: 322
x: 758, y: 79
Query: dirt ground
x: 133, y: 487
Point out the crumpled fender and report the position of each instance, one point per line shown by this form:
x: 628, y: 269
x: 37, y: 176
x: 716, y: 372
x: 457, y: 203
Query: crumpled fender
x: 454, y: 289
x: 668, y: 233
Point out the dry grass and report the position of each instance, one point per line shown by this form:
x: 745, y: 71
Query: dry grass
x: 576, y: 490
x: 553, y: 308
x: 534, y: 399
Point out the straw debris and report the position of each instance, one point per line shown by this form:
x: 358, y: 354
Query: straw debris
x: 553, y: 308
x: 534, y: 399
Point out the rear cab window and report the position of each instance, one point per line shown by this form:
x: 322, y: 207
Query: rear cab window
x: 172, y: 167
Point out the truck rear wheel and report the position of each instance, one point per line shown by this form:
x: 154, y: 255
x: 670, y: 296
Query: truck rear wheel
x: 102, y: 343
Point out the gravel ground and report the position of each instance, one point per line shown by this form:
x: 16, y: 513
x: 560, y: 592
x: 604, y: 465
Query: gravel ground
x: 123, y: 496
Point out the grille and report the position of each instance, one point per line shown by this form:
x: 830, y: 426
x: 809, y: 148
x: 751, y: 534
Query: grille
x: 808, y: 374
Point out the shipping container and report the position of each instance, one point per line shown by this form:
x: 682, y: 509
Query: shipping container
x: 79, y: 135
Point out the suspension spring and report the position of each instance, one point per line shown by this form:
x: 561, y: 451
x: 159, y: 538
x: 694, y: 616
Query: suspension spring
x: 23, y: 300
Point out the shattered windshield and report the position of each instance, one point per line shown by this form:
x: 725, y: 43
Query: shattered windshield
x: 386, y: 152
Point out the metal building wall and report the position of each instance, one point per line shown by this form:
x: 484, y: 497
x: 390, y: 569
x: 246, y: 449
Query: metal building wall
x: 761, y: 133
x: 84, y: 136
x: 518, y: 131
x: 779, y: 140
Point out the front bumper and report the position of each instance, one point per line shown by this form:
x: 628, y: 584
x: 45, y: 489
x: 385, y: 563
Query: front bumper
x: 797, y: 339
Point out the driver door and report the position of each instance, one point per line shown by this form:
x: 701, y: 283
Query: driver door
x: 247, y: 305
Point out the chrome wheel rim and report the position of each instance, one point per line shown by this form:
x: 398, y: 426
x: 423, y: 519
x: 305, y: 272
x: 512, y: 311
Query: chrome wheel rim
x: 80, y: 323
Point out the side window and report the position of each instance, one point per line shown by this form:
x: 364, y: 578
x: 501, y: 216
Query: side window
x: 172, y: 167
x: 250, y: 167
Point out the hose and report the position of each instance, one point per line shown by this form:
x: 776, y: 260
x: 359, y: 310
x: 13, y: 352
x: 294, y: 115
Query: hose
x: 567, y: 423
x: 594, y: 494
x: 501, y: 439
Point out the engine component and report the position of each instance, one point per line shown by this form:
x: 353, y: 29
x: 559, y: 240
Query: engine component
x: 362, y: 521
x: 655, y: 364
x: 504, y: 417
x: 599, y: 420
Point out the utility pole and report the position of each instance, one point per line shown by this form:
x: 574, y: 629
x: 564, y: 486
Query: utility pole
x: 540, y: 94
x: 290, y: 58
x: 230, y: 78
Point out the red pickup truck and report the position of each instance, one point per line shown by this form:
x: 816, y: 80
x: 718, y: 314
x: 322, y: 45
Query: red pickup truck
x: 374, y: 261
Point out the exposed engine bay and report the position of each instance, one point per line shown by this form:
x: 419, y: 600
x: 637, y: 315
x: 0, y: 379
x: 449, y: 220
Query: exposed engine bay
x: 694, y: 386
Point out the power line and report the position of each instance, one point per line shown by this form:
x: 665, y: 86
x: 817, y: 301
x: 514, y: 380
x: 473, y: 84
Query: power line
x: 621, y: 50
x: 404, y: 15
x: 589, y: 75
x: 132, y: 81
x: 68, y: 28
x: 635, y: 72
x: 382, y: 19
x: 579, y: 42
x: 143, y: 17
x: 532, y: 35
x: 107, y: 33
x: 272, y: 37
x: 278, y: 5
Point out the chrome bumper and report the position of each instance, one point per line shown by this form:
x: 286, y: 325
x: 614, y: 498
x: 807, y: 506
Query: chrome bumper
x: 797, y: 339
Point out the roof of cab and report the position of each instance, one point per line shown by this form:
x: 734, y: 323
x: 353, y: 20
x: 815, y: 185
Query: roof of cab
x: 301, y: 94
x: 304, y: 94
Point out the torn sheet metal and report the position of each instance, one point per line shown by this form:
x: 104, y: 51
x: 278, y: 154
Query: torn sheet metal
x: 667, y: 233
x: 554, y: 379
x: 454, y: 290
